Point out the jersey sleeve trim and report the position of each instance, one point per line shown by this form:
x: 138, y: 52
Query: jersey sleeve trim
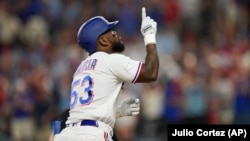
x: 137, y: 72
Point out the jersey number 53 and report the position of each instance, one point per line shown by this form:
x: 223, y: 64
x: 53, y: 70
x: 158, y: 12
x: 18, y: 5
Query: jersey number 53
x: 81, y: 93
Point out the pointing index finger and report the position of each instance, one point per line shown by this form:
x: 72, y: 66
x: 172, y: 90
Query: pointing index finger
x: 143, y: 13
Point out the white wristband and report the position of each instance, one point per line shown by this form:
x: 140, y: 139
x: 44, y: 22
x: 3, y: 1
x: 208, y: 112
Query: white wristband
x: 149, y: 39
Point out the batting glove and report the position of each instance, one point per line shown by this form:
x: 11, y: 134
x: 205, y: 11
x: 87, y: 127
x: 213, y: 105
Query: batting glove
x: 128, y: 107
x: 148, y: 28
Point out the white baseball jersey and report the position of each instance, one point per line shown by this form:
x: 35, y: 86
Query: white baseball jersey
x: 97, y: 84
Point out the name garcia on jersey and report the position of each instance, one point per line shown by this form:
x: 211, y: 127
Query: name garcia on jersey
x: 86, y: 65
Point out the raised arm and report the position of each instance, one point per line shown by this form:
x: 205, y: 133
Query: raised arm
x: 150, y: 68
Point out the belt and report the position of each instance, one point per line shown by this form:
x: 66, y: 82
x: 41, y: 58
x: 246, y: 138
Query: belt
x: 86, y: 122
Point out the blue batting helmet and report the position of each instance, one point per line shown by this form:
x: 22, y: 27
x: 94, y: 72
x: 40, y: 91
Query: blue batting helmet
x: 89, y: 32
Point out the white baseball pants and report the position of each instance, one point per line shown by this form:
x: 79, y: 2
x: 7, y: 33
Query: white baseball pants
x: 78, y: 132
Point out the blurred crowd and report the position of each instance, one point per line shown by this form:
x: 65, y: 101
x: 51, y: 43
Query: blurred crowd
x: 204, y: 50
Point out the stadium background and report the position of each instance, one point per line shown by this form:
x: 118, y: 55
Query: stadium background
x: 204, y: 52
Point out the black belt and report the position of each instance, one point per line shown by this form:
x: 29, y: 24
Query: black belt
x: 86, y: 122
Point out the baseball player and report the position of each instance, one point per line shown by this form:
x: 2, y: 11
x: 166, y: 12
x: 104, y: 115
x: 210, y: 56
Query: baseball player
x: 97, y: 82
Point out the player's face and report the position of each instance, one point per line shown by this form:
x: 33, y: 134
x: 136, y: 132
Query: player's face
x: 117, y: 44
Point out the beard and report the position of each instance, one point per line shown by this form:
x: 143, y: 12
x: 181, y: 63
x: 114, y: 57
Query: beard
x: 118, y: 47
